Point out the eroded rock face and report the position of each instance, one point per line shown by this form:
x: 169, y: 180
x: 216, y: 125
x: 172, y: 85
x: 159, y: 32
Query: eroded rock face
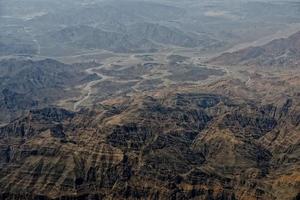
x: 183, y: 146
x: 27, y: 84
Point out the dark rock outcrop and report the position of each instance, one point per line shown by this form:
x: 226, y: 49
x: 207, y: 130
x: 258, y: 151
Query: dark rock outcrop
x: 186, y: 145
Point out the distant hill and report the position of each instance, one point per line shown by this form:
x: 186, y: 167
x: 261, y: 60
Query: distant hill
x: 29, y: 75
x: 283, y: 52
x: 86, y: 37
x: 138, y: 37
x: 168, y: 35
x: 16, y: 41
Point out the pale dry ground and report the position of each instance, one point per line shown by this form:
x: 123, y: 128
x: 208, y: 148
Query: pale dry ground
x: 89, y: 90
x: 108, y: 60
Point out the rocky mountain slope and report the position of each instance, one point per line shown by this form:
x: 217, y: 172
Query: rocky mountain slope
x: 152, y: 121
x: 86, y: 37
x: 281, y: 53
x: 27, y: 84
x: 213, y: 142
x: 137, y: 37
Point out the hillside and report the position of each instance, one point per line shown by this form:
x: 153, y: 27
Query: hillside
x: 138, y: 37
x: 186, y: 144
x: 281, y: 53
x: 150, y: 100
x: 27, y: 84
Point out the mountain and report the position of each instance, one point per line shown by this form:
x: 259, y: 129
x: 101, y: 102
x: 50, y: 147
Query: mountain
x: 138, y: 37
x: 169, y: 36
x: 281, y: 53
x: 112, y: 99
x: 85, y: 37
x: 166, y: 145
x: 27, y: 84
x: 107, y: 14
x: 13, y: 43
x: 29, y: 75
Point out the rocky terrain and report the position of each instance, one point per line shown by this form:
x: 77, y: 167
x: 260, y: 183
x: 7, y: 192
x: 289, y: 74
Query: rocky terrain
x: 26, y: 84
x: 40, y: 28
x: 148, y: 127
x: 280, y: 53
x: 202, y: 143
x: 149, y: 99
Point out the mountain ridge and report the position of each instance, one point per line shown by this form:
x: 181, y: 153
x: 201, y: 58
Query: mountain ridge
x: 284, y: 52
x: 187, y: 144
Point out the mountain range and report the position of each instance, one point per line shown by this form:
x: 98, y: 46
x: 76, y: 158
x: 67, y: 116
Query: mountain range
x: 195, y: 143
x: 284, y: 52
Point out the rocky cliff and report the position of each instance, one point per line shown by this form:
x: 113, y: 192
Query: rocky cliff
x: 184, y: 145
